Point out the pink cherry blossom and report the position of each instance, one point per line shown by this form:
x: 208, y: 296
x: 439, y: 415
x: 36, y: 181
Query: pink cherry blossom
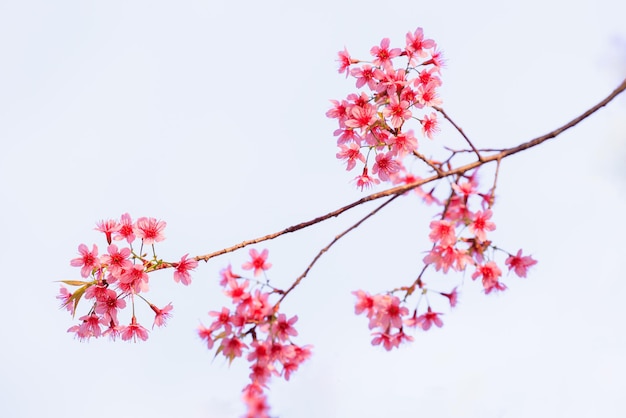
x: 134, y: 331
x: 429, y: 319
x: 283, y: 329
x: 364, y: 303
x: 222, y: 319
x: 365, y: 181
x: 232, y: 346
x: 520, y: 264
x: 66, y: 299
x: 206, y: 334
x: 490, y: 273
x: 397, y: 110
x: 453, y: 297
x: 351, y: 153
x: 481, y: 224
x: 345, y: 61
x: 442, y: 232
x: 385, y: 166
x: 127, y: 229
x: 182, y: 270
x: 117, y: 260
x: 404, y: 143
x: 416, y: 44
x: 150, y: 230
x: 383, y: 54
x: 258, y: 262
x: 227, y: 275
x: 88, y: 260
x: 365, y: 75
x: 134, y: 280
x: 161, y: 315
x: 427, y: 95
x: 389, y: 312
x: 430, y: 125
x: 362, y: 116
x: 108, y: 306
x: 108, y: 227
x: 447, y: 257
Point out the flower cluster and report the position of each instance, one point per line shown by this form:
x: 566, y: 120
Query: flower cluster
x: 255, y: 329
x: 459, y: 239
x: 372, y: 125
x: 118, y: 275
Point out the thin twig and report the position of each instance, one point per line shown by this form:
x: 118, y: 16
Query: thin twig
x: 326, y: 248
x: 458, y: 128
x: 428, y: 162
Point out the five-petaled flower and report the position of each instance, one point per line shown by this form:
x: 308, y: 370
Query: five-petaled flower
x: 258, y: 263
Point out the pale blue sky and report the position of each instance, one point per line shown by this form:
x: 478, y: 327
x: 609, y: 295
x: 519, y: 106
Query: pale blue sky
x: 210, y: 115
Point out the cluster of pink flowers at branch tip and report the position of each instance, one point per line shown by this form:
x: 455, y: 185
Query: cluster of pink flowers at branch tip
x: 459, y: 239
x: 119, y: 275
x: 372, y: 125
x: 254, y: 318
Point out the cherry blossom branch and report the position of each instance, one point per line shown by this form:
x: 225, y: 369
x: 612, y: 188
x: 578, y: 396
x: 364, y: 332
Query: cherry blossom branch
x: 399, y: 190
x: 326, y: 248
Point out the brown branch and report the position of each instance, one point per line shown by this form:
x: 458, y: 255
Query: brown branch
x: 458, y: 128
x: 399, y: 190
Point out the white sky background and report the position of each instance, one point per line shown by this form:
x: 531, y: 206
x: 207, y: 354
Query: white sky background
x: 211, y: 116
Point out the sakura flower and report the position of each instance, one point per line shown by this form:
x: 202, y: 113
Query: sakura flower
x: 227, y: 275
x: 387, y: 340
x: 520, y: 264
x: 150, y: 230
x: 490, y: 273
x: 117, y: 260
x: 389, y: 312
x: 66, y: 299
x: 88, y: 260
x: 134, y: 280
x: 362, y: 116
x: 231, y: 347
x: 430, y: 125
x: 134, y: 331
x: 383, y: 54
x: 108, y: 306
x: 222, y: 319
x: 127, y: 229
x: 447, y: 257
x: 442, y: 232
x: 161, y: 315
x: 182, y: 270
x: 365, y: 181
x: 258, y: 262
x: 481, y: 224
x: 206, y: 334
x: 404, y: 143
x: 282, y: 328
x: 345, y: 61
x: 351, y: 153
x: 416, y: 44
x: 397, y: 110
x: 364, y: 75
x: 108, y: 228
x: 364, y: 303
x: 429, y: 319
x: 385, y: 166
x: 453, y: 297
x: 427, y: 95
